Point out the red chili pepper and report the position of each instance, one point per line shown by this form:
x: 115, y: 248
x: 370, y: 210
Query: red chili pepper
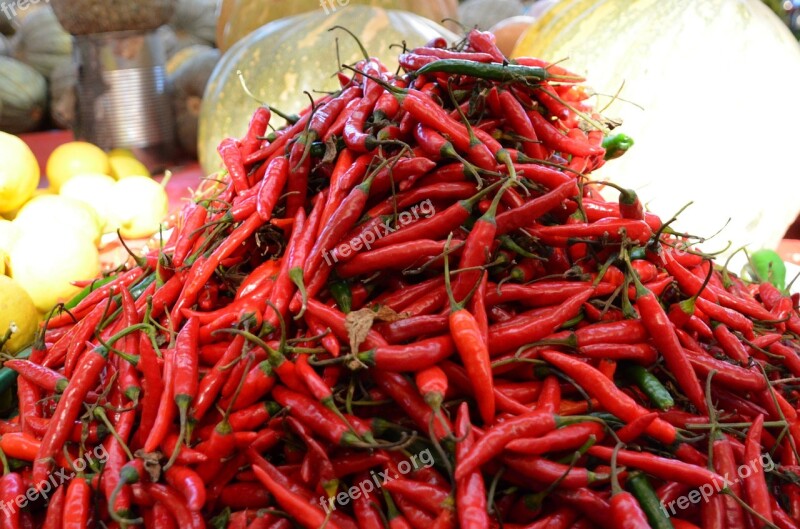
x: 306, y: 515
x: 256, y: 131
x: 608, y: 394
x: 231, y: 155
x: 725, y: 465
x: 568, y: 438
x: 523, y: 330
x: 188, y: 482
x: 88, y: 370
x: 661, y: 332
x: 54, y: 518
x: 272, y: 185
x: 396, y: 257
x: 755, y: 485
x: 410, y: 357
x: 335, y: 320
x: 403, y: 392
x: 212, y: 382
x: 77, y: 504
x: 173, y: 501
x: 166, y: 406
x: 661, y: 467
x: 485, y: 42
x: 554, y: 139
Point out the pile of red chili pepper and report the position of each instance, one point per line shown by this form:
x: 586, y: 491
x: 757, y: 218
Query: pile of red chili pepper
x: 410, y: 308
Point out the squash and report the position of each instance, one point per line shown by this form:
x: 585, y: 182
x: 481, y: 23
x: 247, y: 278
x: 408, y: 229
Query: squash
x: 83, y: 17
x: 188, y: 82
x: 174, y: 42
x: 23, y: 96
x: 197, y: 18
x: 704, y: 132
x: 41, y: 42
x: 282, y: 59
x: 509, y: 30
x: 185, y: 54
x: 63, y: 82
x: 486, y: 13
x: 240, y: 17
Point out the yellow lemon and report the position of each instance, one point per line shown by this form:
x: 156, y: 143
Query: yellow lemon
x: 74, y: 158
x: 39, y: 192
x: 46, y: 262
x: 57, y: 214
x: 126, y: 165
x: 8, y: 234
x: 17, y: 313
x: 95, y: 191
x: 141, y: 204
x: 19, y: 172
x: 3, y: 262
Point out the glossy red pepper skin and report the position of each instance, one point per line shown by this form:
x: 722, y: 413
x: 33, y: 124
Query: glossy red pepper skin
x: 755, y: 485
x: 626, y: 512
x: 11, y: 486
x: 77, y: 504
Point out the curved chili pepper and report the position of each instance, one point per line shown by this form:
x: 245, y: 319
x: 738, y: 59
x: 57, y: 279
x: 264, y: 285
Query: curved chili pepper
x: 755, y: 485
x: 55, y: 510
x: 77, y: 506
x: 88, y: 370
x: 570, y: 437
x: 608, y: 394
x: 661, y: 332
x: 661, y: 467
x: 409, y: 357
x: 524, y: 330
x: 188, y: 482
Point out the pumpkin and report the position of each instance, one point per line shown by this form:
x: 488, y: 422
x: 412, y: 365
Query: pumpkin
x: 240, y: 17
x: 41, y: 42
x: 188, y: 82
x: 84, y: 17
x: 508, y: 31
x: 286, y: 57
x: 185, y: 54
x: 703, y: 132
x: 23, y: 96
x: 63, y: 81
x: 197, y: 18
x: 174, y: 42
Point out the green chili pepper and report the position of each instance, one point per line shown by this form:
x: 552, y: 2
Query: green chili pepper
x: 767, y: 265
x: 492, y: 71
x: 340, y: 291
x: 643, y: 492
x: 650, y: 386
x: 617, y: 145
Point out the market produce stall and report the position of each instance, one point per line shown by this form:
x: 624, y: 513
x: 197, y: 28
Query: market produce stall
x: 416, y: 298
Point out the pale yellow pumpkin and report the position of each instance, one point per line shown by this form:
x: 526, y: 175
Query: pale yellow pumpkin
x: 714, y: 85
x: 240, y: 17
x: 289, y: 56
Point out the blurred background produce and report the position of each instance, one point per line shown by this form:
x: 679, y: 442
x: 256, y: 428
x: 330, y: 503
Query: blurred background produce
x: 701, y: 137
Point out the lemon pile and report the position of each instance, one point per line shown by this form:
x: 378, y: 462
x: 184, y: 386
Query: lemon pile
x: 49, y: 237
